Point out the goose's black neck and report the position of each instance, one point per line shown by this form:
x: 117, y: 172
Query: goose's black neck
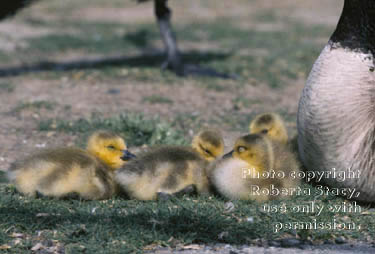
x: 356, y: 27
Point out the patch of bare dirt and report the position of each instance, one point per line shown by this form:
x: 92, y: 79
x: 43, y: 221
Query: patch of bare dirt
x: 139, y: 13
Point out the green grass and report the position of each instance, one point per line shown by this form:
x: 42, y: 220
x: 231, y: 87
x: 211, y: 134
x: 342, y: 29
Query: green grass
x: 243, y: 102
x: 121, y: 226
x: 94, y: 37
x: 35, y: 105
x: 137, y: 129
x: 6, y: 87
x: 3, y: 178
x: 157, y: 99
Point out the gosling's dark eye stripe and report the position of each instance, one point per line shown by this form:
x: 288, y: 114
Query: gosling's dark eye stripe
x: 204, y: 149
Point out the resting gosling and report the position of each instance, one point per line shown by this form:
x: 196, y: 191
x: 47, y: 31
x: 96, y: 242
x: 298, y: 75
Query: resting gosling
x: 270, y: 124
x: 169, y: 170
x: 235, y: 176
x: 61, y: 172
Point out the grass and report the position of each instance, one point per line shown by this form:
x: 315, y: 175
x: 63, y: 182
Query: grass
x: 122, y: 226
x: 243, y: 102
x: 157, y: 99
x: 134, y: 127
x: 7, y: 87
x: 34, y: 105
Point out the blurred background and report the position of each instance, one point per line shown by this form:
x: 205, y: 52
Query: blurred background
x: 69, y: 67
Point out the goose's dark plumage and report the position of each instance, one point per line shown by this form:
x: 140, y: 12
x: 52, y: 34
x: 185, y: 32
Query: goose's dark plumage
x: 356, y: 27
x: 336, y: 115
x: 11, y: 7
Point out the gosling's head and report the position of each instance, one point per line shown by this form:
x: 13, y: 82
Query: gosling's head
x: 209, y: 144
x: 254, y: 149
x: 109, y: 148
x: 270, y: 124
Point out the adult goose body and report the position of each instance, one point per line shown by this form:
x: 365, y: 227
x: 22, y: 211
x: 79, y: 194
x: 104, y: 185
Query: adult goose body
x: 336, y: 114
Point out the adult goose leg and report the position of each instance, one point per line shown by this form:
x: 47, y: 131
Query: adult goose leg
x: 174, y: 61
x: 163, y: 15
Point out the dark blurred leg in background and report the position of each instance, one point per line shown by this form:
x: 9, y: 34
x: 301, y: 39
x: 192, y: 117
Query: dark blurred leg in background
x: 174, y: 61
x: 163, y: 16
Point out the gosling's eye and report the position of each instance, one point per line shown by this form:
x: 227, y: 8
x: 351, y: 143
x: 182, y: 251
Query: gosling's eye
x: 111, y: 147
x: 241, y: 149
x: 207, y: 152
x: 264, y: 131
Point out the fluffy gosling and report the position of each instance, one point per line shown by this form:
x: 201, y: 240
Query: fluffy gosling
x: 270, y: 124
x: 60, y: 172
x: 235, y: 175
x: 169, y: 170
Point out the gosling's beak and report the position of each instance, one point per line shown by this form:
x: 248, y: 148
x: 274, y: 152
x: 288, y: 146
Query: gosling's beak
x: 127, y: 155
x: 228, y: 155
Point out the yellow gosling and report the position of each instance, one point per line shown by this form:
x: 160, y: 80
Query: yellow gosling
x: 238, y: 175
x: 169, y: 170
x: 209, y: 144
x: 270, y: 124
x: 60, y: 172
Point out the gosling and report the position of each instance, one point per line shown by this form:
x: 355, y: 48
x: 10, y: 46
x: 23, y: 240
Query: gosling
x: 270, y: 124
x: 61, y: 172
x: 167, y: 171
x: 240, y: 174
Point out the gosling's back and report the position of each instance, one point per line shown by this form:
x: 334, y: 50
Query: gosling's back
x: 166, y: 169
x: 61, y: 171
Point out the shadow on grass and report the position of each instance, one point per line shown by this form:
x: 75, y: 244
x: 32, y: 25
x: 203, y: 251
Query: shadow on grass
x: 189, y: 220
x: 152, y: 59
x: 139, y: 39
x: 3, y: 177
x: 137, y: 223
x: 184, y: 224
